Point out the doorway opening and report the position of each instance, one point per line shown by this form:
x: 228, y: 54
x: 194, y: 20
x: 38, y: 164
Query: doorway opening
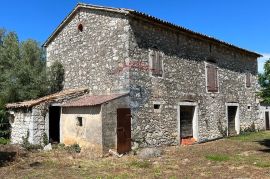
x: 233, y: 119
x: 188, y: 123
x: 267, y: 126
x: 54, y: 124
x: 123, y: 130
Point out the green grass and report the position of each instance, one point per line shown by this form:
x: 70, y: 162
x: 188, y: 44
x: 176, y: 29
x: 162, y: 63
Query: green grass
x: 253, y: 136
x: 263, y: 164
x: 217, y: 157
x: 140, y: 164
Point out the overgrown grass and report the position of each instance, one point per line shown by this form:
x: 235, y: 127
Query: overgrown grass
x: 217, y: 157
x: 140, y: 164
x: 252, y: 136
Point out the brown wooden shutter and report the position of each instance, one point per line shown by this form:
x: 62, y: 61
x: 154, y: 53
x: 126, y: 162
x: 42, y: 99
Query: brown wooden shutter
x: 159, y: 64
x: 156, y: 64
x: 212, y: 83
x: 248, y: 81
x: 216, y: 78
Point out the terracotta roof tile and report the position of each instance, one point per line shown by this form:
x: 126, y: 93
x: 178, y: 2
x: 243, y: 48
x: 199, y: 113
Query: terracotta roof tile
x: 92, y: 100
x: 48, y: 98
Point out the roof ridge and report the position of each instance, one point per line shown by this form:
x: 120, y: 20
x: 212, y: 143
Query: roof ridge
x: 145, y: 16
x: 104, y: 7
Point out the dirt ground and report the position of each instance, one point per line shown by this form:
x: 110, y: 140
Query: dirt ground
x: 245, y: 156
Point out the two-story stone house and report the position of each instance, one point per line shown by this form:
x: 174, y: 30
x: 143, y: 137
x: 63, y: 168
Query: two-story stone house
x: 150, y: 82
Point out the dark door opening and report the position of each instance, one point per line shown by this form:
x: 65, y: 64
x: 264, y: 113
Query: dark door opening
x: 186, y: 121
x: 123, y: 130
x: 232, y: 110
x: 267, y: 127
x: 54, y: 124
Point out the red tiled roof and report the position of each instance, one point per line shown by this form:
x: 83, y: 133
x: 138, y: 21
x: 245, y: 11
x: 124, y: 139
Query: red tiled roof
x: 92, y: 100
x: 52, y: 97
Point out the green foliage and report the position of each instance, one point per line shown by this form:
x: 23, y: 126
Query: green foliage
x: 74, y: 148
x: 23, y: 74
x: 4, y: 141
x: 56, y: 77
x: 264, y: 81
x: 45, y: 139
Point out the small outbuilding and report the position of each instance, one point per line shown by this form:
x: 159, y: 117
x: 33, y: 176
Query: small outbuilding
x: 99, y: 122
x: 40, y: 117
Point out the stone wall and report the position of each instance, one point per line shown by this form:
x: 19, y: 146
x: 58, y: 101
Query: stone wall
x: 21, y: 123
x: 184, y: 79
x: 40, y: 123
x: 33, y: 120
x: 89, y: 135
x: 91, y: 58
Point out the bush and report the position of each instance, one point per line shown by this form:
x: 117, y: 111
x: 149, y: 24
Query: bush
x: 4, y: 141
x: 45, y: 139
x: 74, y: 148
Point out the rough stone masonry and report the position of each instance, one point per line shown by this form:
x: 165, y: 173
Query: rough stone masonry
x: 99, y: 54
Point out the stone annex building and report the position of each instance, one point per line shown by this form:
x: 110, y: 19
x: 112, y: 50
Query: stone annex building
x: 134, y: 80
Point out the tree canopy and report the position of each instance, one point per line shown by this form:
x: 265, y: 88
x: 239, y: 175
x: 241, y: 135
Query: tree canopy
x: 23, y: 73
x: 264, y: 81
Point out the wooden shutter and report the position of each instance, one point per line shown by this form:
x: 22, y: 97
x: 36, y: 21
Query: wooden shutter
x: 159, y: 64
x: 248, y: 81
x: 212, y: 82
x: 156, y: 64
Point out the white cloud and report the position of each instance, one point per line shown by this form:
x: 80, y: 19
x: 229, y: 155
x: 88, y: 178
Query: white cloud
x: 262, y: 60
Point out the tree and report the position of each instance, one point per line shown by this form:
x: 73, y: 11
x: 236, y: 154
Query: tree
x: 23, y: 74
x: 9, y: 56
x: 264, y: 81
x: 56, y: 77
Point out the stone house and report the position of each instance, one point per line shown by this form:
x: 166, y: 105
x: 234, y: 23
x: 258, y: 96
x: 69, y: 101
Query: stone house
x: 174, y: 85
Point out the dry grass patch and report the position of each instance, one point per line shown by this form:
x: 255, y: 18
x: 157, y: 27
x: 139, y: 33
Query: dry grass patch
x: 237, y: 157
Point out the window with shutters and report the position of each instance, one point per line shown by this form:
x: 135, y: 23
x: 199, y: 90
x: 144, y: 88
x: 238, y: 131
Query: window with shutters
x: 156, y: 63
x: 212, y: 77
x: 248, y: 80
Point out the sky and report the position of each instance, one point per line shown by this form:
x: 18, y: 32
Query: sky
x: 244, y: 23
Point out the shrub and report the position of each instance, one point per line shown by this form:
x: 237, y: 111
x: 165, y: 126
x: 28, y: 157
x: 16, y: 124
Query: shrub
x: 45, y: 139
x: 74, y: 148
x: 4, y: 141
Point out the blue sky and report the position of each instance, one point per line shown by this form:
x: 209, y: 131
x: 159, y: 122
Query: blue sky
x: 245, y: 23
